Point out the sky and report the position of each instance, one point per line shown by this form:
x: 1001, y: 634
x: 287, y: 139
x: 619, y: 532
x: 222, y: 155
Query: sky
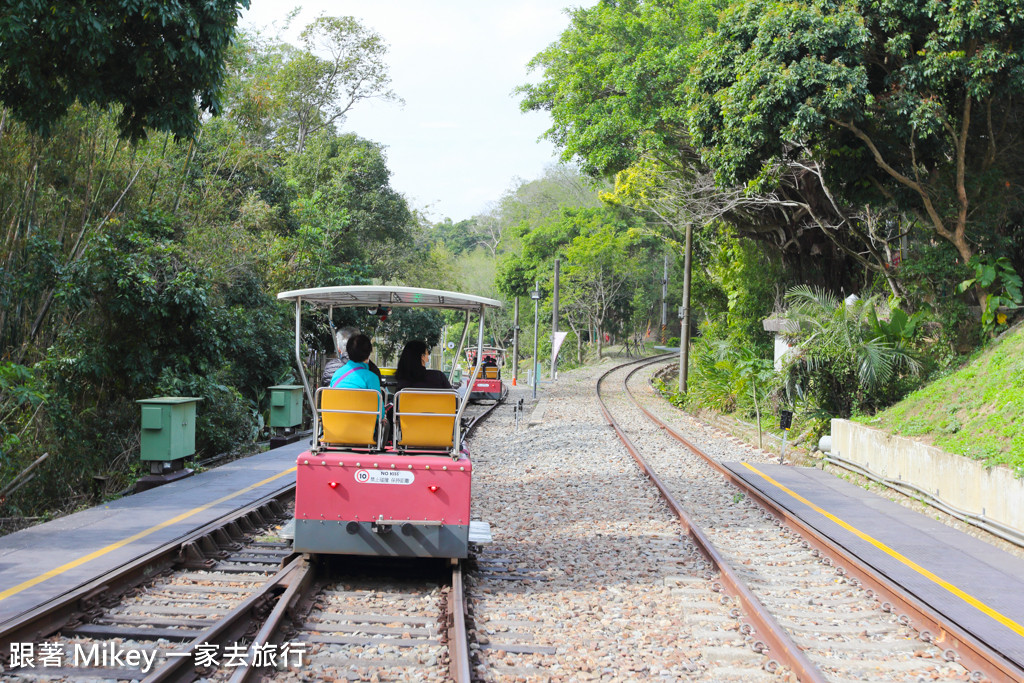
x: 459, y: 141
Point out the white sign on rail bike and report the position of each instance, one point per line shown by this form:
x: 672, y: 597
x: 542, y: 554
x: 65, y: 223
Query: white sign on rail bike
x: 384, y: 477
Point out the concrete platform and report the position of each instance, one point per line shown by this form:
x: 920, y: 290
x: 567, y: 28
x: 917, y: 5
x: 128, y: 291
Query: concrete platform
x: 967, y: 581
x: 45, y: 561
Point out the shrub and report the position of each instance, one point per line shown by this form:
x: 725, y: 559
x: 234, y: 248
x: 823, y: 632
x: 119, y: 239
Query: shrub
x: 846, y: 357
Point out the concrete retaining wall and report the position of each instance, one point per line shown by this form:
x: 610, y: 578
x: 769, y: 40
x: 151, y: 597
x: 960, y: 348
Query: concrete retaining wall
x: 964, y: 483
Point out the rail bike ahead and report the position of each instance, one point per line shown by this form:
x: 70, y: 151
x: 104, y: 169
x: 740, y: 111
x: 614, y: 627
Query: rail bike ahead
x: 387, y: 472
x: 484, y: 382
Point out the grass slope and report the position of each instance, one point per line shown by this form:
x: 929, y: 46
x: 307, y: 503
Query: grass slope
x: 977, y: 411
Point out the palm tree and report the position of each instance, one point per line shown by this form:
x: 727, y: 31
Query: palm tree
x: 836, y: 334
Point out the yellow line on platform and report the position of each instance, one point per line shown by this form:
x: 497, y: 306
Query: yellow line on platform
x: 963, y: 595
x: 142, y: 534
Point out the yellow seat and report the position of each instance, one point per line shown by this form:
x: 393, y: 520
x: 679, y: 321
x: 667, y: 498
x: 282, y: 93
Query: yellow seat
x: 487, y: 372
x: 350, y: 417
x: 425, y: 419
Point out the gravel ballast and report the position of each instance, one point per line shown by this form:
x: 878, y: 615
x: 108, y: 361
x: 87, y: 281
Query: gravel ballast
x: 590, y: 576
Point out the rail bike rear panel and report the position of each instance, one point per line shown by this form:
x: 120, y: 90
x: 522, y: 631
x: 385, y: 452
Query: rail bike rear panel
x: 487, y: 386
x: 485, y: 390
x: 382, y: 504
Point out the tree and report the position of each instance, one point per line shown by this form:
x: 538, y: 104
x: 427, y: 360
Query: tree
x: 458, y: 237
x: 532, y: 202
x: 346, y: 210
x: 418, y: 261
x: 611, y: 80
x: 132, y: 270
x: 521, y: 207
x: 898, y: 102
x: 598, y: 266
x: 798, y: 215
x: 162, y: 63
x: 515, y: 275
x: 342, y: 64
x: 614, y: 86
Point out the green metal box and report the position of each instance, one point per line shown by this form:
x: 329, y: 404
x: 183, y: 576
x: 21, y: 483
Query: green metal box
x: 456, y: 379
x: 168, y: 427
x: 286, y: 405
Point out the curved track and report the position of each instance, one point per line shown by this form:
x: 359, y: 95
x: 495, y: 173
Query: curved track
x: 956, y: 643
x: 823, y: 610
x: 589, y: 576
x: 774, y: 638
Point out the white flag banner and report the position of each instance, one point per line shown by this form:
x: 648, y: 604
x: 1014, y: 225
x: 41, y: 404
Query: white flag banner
x: 559, y: 338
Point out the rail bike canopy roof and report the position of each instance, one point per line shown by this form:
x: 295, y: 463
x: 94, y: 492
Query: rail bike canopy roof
x: 376, y: 295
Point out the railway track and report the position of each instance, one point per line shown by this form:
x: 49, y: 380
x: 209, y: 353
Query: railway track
x: 232, y: 602
x: 837, y: 624
x: 393, y: 623
x: 740, y: 597
x: 261, y: 613
x: 196, y: 604
x: 588, y: 576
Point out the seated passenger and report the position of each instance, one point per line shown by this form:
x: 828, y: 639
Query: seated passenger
x: 341, y: 341
x: 356, y: 373
x: 412, y: 370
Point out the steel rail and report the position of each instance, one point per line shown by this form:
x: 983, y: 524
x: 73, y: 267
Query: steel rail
x: 477, y: 419
x: 459, y: 669
x: 299, y: 582
x: 776, y: 640
x: 38, y: 623
x: 233, y: 626
x: 960, y: 645
x: 297, y: 579
x: 458, y: 639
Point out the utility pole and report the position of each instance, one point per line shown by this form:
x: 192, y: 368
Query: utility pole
x: 664, y: 301
x: 554, y: 321
x: 684, y: 311
x: 515, y: 344
x: 535, y: 295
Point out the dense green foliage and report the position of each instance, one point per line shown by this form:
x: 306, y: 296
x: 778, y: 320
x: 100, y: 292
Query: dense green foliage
x: 895, y: 102
x: 615, y: 87
x: 137, y: 264
x: 847, y: 357
x: 499, y: 254
x: 852, y: 148
x: 132, y: 270
x: 161, y: 63
x: 608, y: 269
x: 612, y: 80
x: 818, y: 149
